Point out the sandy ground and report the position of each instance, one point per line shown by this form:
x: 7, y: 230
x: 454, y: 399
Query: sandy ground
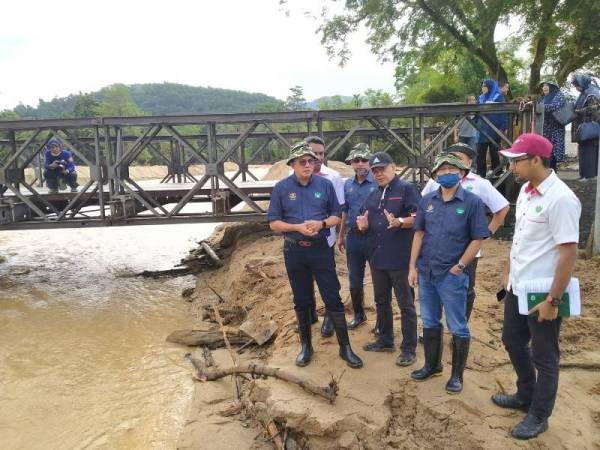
x: 379, y: 406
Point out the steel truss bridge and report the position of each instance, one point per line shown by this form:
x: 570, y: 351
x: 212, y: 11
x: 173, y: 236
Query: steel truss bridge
x: 110, y: 146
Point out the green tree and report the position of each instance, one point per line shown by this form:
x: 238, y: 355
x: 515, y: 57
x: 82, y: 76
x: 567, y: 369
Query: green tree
x: 295, y: 101
x: 117, y: 101
x: 562, y: 35
x: 86, y: 105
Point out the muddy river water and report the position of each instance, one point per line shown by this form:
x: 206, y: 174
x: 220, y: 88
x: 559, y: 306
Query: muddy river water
x: 83, y: 358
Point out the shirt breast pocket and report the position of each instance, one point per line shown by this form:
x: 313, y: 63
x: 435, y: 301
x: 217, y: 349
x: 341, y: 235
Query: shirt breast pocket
x: 536, y: 226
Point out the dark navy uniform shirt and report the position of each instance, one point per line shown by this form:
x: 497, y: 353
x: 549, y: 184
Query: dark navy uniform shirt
x: 356, y: 194
x: 449, y: 229
x: 294, y: 203
x: 391, y: 247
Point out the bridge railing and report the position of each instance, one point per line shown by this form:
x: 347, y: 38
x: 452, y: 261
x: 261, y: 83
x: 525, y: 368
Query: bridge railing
x: 111, y: 146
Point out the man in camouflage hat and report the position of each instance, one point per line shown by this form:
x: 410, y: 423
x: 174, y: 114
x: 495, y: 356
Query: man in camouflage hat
x: 449, y: 229
x: 351, y: 239
x: 304, y: 207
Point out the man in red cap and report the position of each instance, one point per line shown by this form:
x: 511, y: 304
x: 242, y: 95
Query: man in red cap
x: 544, y: 246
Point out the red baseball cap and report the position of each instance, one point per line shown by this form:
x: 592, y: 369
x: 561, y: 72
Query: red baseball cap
x: 529, y: 144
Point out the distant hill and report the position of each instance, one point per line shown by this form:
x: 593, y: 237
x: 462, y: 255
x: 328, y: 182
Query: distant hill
x: 160, y: 99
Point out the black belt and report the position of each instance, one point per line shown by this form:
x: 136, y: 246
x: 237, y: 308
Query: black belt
x: 306, y: 242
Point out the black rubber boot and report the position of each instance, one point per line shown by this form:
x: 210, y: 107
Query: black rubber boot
x: 314, y: 317
x: 530, y: 427
x: 327, y: 327
x: 432, y: 347
x: 377, y: 328
x: 341, y: 330
x: 460, y: 351
x: 511, y: 401
x: 305, y: 333
x: 357, y: 296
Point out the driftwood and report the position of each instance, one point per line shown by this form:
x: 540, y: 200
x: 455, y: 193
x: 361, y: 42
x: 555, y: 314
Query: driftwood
x: 211, y: 254
x: 271, y: 428
x: 208, y: 357
x: 210, y: 339
x: 328, y: 392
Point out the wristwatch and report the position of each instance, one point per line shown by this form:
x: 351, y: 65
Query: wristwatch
x: 324, y: 224
x: 401, y: 220
x: 555, y: 301
x: 461, y: 266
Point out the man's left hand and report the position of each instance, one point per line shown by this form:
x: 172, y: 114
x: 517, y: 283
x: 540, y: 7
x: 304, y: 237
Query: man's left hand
x: 392, y: 220
x: 314, y: 225
x: 455, y: 270
x: 545, y: 310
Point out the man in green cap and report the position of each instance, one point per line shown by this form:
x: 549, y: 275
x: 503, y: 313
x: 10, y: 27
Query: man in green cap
x: 351, y: 239
x: 304, y: 207
x: 449, y: 229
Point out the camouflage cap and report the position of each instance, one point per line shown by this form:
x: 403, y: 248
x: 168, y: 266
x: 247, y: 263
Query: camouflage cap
x: 360, y: 150
x: 300, y: 149
x: 448, y: 158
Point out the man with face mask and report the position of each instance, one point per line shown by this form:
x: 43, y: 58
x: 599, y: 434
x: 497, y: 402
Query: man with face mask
x: 491, y: 198
x: 388, y: 218
x: 351, y: 239
x: 449, y: 229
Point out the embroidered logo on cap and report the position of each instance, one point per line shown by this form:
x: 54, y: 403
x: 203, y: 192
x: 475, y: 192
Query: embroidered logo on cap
x: 376, y: 160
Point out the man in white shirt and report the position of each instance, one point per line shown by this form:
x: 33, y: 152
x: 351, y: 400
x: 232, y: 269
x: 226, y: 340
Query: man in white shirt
x: 318, y: 147
x: 490, y: 196
x: 544, y: 246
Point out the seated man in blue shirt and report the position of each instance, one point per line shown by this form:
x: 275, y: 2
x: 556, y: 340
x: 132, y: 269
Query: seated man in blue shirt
x: 59, y: 165
x: 449, y: 229
x: 351, y: 239
x: 388, y: 218
x: 304, y: 207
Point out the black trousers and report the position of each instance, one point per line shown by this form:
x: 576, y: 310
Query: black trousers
x: 305, y: 263
x: 482, y: 150
x: 536, y: 365
x: 384, y: 281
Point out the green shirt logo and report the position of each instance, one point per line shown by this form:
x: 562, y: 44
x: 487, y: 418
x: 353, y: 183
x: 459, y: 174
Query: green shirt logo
x: 469, y: 188
x: 460, y: 210
x: 538, y: 209
x: 318, y: 195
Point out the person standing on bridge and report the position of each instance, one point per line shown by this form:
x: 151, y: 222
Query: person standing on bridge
x: 304, y: 208
x: 491, y: 198
x: 449, y: 229
x: 318, y: 147
x: 487, y: 138
x: 388, y: 217
x: 351, y: 239
x: 59, y: 165
x: 544, y: 247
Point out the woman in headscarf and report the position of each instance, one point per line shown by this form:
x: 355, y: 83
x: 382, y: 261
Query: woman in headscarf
x: 487, y: 138
x: 586, y: 108
x: 552, y: 130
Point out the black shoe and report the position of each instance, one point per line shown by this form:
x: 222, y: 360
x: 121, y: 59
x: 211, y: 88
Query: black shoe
x: 460, y: 351
x: 357, y: 296
x: 304, y: 330
x: 432, y: 347
x: 327, y: 327
x: 406, y: 359
x: 341, y: 330
x: 511, y: 401
x: 378, y: 346
x: 530, y: 427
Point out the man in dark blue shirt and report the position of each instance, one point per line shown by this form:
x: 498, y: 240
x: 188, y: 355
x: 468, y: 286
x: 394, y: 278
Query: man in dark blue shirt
x: 304, y: 207
x: 350, y: 239
x: 388, y: 218
x: 449, y: 229
x: 59, y: 165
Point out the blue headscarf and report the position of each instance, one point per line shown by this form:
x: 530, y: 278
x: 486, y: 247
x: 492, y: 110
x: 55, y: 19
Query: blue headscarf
x: 588, y: 87
x: 553, y: 91
x: 493, y: 91
x: 53, y: 141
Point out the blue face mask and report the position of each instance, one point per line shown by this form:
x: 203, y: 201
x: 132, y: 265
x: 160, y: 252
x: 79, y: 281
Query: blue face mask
x: 448, y: 180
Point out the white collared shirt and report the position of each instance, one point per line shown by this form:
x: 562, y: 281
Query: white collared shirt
x: 546, y: 217
x: 338, y: 184
x: 481, y: 187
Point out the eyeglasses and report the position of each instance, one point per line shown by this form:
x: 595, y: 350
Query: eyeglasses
x: 306, y: 162
x: 514, y: 161
x: 362, y: 160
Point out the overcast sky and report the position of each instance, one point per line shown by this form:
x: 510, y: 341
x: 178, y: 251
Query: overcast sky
x: 54, y: 48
